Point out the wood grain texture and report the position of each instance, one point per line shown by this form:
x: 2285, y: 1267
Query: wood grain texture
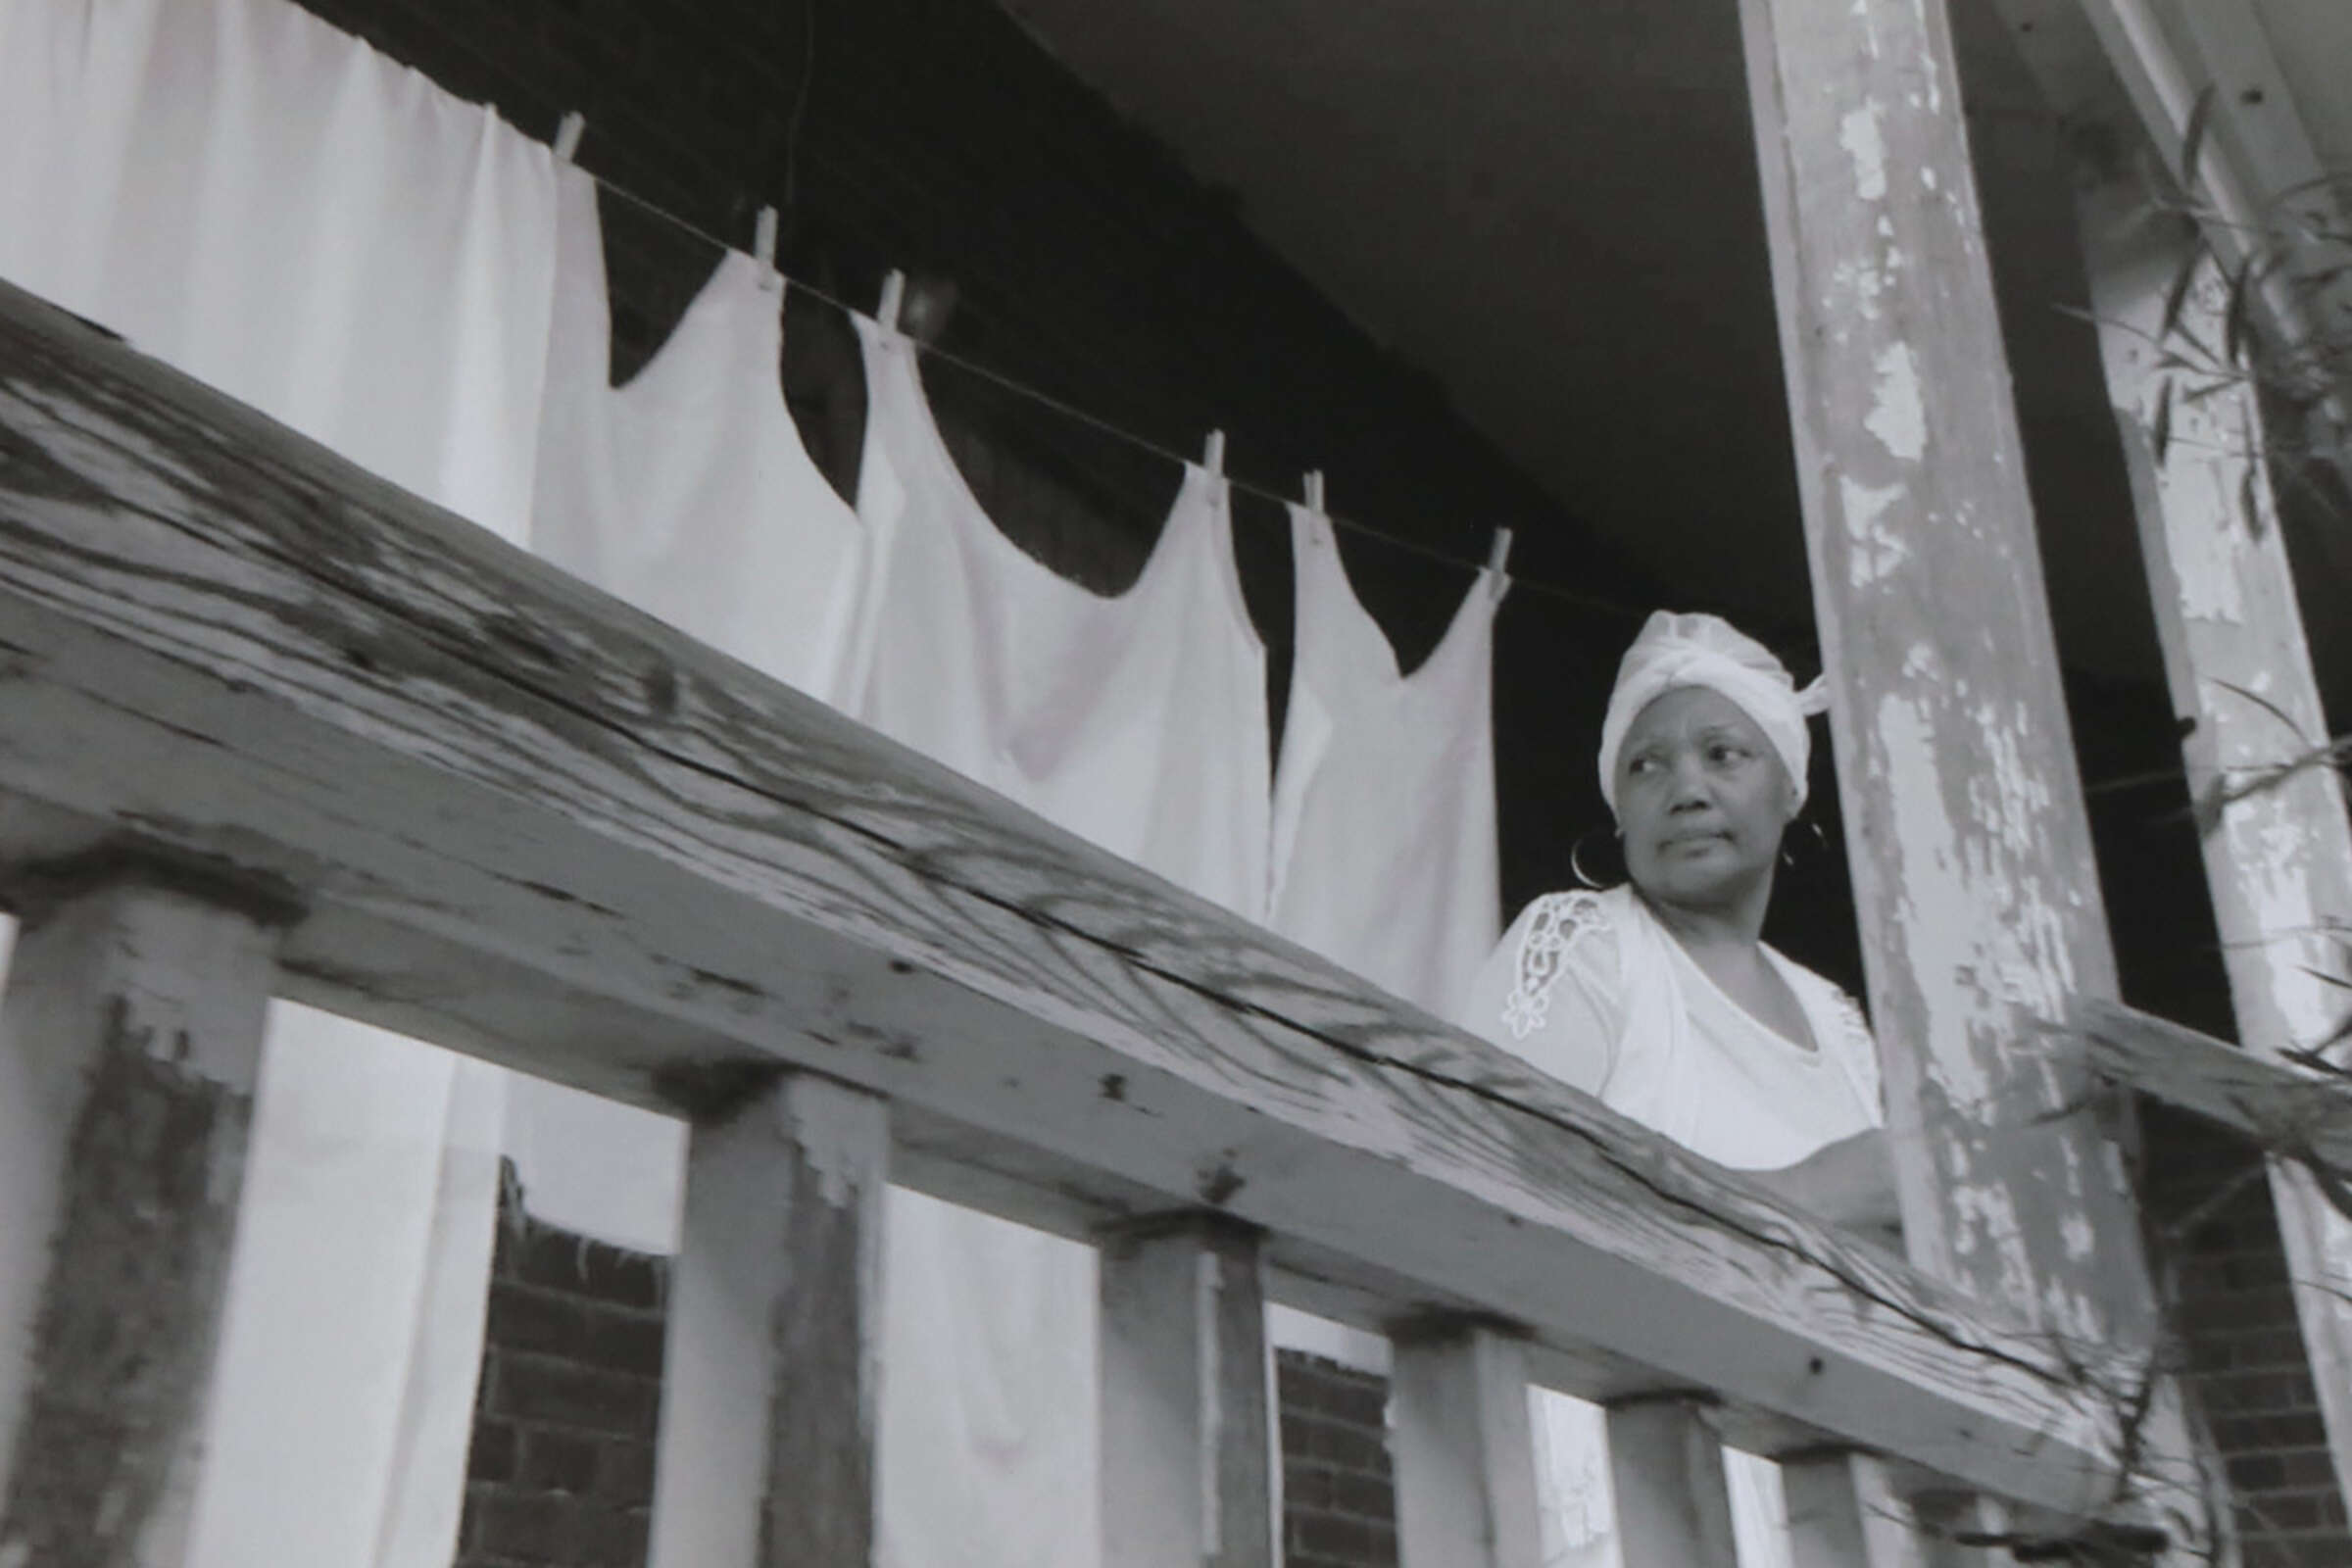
x: 1970, y: 849
x: 2274, y: 1105
x: 1188, y: 1436
x: 1465, y: 1456
x: 129, y: 1043
x: 766, y: 1451
x: 533, y: 824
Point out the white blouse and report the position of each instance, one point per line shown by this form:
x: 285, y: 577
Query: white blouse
x: 1591, y: 988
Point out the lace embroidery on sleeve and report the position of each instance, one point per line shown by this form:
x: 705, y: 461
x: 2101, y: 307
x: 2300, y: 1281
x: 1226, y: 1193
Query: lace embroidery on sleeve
x: 1559, y: 919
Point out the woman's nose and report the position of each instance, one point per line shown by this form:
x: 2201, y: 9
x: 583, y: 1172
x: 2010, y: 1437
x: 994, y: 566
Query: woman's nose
x: 1687, y: 785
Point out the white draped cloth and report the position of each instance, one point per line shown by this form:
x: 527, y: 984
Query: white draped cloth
x: 1384, y: 851
x: 1594, y: 989
x: 688, y: 492
x: 268, y: 204
x: 1384, y: 855
x: 1139, y: 721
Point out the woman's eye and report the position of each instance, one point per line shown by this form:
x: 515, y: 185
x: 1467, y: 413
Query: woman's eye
x: 1724, y: 754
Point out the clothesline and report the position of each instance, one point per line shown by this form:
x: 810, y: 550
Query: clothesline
x: 1094, y: 422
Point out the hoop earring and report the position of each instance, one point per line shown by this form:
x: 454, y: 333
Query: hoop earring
x: 1576, y: 861
x: 1821, y: 844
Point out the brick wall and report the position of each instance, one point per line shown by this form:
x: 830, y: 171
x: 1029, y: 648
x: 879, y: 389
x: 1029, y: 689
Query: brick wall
x: 1339, y: 1496
x: 2214, y: 1238
x: 561, y: 1467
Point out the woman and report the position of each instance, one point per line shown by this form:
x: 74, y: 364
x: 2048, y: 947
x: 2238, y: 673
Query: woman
x: 1661, y: 997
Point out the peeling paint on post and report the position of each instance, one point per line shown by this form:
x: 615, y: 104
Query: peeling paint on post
x: 130, y: 1044
x: 1973, y: 879
x: 770, y: 1375
x: 2279, y: 860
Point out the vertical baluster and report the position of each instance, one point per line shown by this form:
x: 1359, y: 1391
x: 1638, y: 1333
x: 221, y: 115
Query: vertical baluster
x: 1465, y: 1453
x: 1188, y: 1453
x: 767, y: 1452
x: 130, y: 1044
x: 1674, y: 1502
x: 1844, y: 1512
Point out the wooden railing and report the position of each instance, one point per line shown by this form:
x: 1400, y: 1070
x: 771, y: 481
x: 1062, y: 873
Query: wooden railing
x: 267, y: 725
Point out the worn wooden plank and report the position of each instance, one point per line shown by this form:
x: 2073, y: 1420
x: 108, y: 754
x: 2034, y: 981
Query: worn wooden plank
x: 1188, y: 1436
x: 1973, y: 870
x: 1464, y: 1451
x: 536, y: 825
x: 1674, y: 1501
x: 129, y: 1042
x: 768, y: 1387
x: 2277, y: 1105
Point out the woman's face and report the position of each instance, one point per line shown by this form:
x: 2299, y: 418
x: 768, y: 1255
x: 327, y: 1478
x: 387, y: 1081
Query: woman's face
x: 1701, y: 798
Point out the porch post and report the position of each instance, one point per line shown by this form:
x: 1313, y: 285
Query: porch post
x: 1973, y: 874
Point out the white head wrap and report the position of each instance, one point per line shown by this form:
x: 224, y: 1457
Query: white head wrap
x: 1675, y: 651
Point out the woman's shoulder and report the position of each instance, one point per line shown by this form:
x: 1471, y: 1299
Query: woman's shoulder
x: 1575, y: 926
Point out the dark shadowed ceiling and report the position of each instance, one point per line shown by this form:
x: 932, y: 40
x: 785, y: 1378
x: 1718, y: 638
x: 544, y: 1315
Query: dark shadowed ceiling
x: 1552, y: 207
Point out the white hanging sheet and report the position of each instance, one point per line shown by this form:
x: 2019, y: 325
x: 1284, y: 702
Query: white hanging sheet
x: 1139, y: 721
x: 1383, y: 852
x: 1384, y: 855
x: 268, y: 204
x: 688, y: 492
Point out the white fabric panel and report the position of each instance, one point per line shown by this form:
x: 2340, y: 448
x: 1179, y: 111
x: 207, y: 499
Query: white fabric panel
x: 1384, y: 847
x: 1139, y: 721
x: 259, y: 199
x: 688, y: 492
x: 1384, y: 829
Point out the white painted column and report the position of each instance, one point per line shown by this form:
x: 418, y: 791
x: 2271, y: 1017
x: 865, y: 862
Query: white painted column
x: 1189, y: 1477
x: 1844, y: 1511
x: 1674, y: 1501
x: 130, y: 1039
x: 766, y: 1451
x: 1970, y: 847
x: 2279, y: 860
x: 1464, y: 1448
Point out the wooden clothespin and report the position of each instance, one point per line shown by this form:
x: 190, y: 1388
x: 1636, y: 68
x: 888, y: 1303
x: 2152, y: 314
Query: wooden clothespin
x: 763, y: 249
x: 1212, y: 454
x: 568, y: 131
x: 1314, y: 492
x: 894, y: 295
x: 1498, y: 556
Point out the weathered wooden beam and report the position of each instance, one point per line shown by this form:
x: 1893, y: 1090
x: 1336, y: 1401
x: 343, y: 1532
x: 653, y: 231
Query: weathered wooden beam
x: 2288, y: 1110
x: 1464, y: 1448
x: 768, y: 1387
x: 130, y: 1038
x: 1188, y: 1434
x: 1974, y: 877
x: 533, y: 824
x: 1673, y: 1501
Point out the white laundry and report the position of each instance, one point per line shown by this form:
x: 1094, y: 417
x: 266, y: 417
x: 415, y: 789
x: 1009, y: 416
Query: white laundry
x: 1384, y: 839
x: 1385, y: 855
x: 268, y: 204
x: 1139, y: 721
x: 688, y: 492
